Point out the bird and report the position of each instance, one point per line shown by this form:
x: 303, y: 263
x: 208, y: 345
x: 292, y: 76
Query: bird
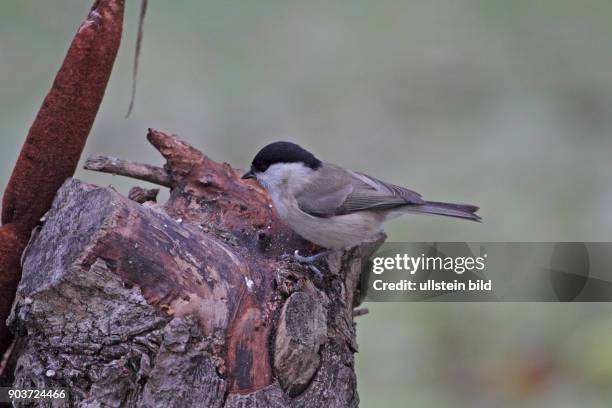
x: 333, y: 207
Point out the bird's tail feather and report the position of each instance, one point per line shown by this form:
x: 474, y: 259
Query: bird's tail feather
x: 464, y: 211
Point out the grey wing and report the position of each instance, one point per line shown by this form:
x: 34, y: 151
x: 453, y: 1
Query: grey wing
x: 342, y: 191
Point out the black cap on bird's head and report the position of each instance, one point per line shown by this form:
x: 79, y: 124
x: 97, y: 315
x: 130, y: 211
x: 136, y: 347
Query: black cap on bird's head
x: 281, y: 152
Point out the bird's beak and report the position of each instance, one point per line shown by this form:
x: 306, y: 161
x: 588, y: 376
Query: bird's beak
x: 248, y: 175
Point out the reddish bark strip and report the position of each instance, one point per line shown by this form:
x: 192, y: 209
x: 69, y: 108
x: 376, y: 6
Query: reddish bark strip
x: 56, y: 139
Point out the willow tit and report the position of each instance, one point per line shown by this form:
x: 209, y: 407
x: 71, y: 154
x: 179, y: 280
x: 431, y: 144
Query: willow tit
x: 333, y: 207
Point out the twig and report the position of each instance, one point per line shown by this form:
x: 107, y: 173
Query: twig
x: 6, y: 357
x: 143, y: 12
x: 140, y: 171
x: 360, y: 312
x: 142, y: 195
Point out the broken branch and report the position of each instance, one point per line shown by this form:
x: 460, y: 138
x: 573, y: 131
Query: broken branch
x: 135, y: 170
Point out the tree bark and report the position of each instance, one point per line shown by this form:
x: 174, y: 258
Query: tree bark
x: 185, y: 304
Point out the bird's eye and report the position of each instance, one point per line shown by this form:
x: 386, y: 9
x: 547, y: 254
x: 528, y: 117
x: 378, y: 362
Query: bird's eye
x: 260, y: 167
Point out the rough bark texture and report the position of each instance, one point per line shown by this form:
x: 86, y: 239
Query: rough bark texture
x: 185, y: 304
x: 55, y: 141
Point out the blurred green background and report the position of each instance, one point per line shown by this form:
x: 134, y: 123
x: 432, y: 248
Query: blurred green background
x: 504, y: 104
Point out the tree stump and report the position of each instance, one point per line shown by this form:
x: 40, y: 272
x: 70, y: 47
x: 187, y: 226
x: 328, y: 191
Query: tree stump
x: 130, y: 303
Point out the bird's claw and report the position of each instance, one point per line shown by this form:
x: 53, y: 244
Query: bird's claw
x: 308, y: 260
x: 305, y: 259
x: 318, y: 274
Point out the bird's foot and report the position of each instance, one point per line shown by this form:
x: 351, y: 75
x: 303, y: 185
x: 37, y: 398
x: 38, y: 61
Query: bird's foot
x: 309, y: 261
x: 312, y: 258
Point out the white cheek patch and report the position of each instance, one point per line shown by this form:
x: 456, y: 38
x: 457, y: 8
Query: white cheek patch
x: 264, y: 182
x: 284, y: 174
